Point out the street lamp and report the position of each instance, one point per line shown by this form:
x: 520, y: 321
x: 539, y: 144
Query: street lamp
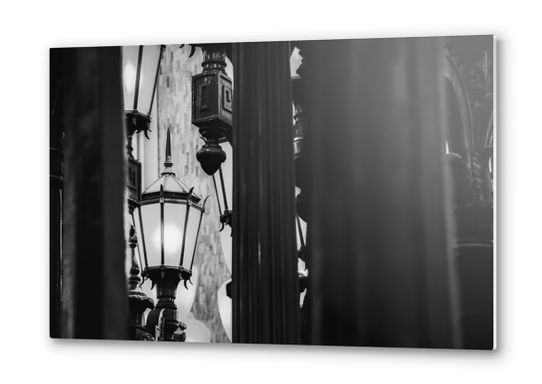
x: 168, y: 223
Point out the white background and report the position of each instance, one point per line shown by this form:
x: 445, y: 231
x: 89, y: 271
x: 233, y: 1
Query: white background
x: 29, y: 30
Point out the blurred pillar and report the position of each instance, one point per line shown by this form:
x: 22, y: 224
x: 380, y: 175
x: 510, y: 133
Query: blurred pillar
x: 380, y: 253
x: 265, y: 282
x: 95, y: 302
x: 56, y: 185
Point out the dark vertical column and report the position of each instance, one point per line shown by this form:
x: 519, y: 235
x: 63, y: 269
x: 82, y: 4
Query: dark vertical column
x: 94, y: 249
x: 469, y: 79
x: 380, y: 254
x: 56, y: 184
x: 265, y: 281
x: 474, y: 263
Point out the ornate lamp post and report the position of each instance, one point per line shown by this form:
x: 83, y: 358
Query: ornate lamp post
x: 168, y: 223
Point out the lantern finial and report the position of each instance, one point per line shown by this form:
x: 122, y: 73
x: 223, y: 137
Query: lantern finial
x: 168, y: 163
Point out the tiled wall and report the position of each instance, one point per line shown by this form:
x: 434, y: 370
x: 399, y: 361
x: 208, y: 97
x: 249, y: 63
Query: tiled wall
x: 174, y: 111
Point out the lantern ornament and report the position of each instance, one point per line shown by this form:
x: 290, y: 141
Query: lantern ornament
x: 168, y: 223
x: 212, y: 106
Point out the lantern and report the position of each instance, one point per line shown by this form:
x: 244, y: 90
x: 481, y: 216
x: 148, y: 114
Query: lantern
x: 212, y: 106
x: 168, y: 223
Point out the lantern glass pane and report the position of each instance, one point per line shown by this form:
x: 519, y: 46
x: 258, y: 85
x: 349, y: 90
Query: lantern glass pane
x: 151, y: 231
x: 149, y: 65
x: 174, y: 218
x: 191, y: 236
x: 129, y: 74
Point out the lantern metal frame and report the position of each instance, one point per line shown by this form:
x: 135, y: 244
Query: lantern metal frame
x: 162, y: 197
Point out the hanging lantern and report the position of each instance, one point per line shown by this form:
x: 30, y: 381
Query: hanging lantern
x: 212, y: 106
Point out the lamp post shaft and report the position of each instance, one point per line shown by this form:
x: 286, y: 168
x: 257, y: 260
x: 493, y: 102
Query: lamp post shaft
x: 164, y: 317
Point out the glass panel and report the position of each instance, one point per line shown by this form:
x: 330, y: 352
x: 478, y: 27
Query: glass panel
x: 191, y: 236
x: 151, y: 232
x: 174, y: 217
x: 151, y: 54
x: 129, y: 71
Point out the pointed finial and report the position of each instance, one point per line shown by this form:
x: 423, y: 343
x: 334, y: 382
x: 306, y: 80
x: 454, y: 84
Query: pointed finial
x: 168, y: 162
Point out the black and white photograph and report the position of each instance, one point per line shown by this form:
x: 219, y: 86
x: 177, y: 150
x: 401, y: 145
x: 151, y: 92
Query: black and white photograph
x: 271, y: 192
x: 316, y: 192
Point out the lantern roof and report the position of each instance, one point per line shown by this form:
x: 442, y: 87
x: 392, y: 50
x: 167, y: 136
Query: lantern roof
x: 168, y: 182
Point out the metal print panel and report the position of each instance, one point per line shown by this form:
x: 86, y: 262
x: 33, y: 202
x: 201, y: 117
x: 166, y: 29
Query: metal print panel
x: 333, y: 192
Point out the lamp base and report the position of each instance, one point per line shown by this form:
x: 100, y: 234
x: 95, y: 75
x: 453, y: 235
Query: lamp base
x: 163, y: 325
x: 162, y: 321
